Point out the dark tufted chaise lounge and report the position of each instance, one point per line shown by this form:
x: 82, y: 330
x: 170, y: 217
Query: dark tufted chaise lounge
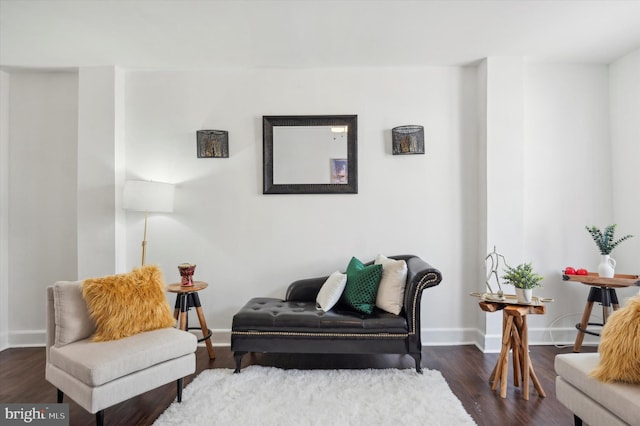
x: 294, y: 325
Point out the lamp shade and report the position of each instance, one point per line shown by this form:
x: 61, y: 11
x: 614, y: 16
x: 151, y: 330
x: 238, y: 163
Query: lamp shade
x: 143, y: 195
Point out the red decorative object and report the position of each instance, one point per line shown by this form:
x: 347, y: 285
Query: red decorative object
x: 186, y: 272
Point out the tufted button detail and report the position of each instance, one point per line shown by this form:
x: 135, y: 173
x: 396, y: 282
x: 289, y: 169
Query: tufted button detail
x: 268, y: 315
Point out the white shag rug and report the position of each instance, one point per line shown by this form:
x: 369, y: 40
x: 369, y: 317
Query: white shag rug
x: 272, y: 396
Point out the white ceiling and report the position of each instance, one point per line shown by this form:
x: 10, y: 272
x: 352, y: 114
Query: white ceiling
x: 311, y: 33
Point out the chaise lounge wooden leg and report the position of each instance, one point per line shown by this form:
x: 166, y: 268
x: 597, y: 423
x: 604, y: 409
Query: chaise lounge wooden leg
x: 577, y: 421
x: 60, y: 396
x: 100, y: 418
x: 238, y: 357
x: 418, y: 358
x: 180, y: 383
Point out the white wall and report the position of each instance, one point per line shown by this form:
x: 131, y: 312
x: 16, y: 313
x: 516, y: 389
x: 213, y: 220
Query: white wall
x: 42, y: 207
x: 4, y: 209
x: 538, y: 192
x: 625, y: 143
x: 503, y: 158
x: 247, y: 244
x: 482, y: 321
x: 568, y: 175
x: 100, y: 163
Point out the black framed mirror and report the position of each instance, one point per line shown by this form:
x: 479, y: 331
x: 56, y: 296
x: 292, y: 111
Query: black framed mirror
x: 310, y: 154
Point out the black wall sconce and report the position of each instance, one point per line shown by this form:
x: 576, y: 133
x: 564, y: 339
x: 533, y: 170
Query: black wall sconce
x: 408, y: 140
x: 213, y: 143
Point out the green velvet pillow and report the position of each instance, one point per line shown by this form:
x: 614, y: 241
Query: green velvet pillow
x: 362, y: 286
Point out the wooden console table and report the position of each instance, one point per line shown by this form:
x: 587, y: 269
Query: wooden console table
x: 603, y: 291
x: 515, y: 339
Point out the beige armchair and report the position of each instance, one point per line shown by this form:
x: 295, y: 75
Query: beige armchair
x: 97, y: 375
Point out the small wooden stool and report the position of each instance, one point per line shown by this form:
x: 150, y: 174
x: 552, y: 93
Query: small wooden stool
x: 186, y: 298
x: 607, y: 297
x: 603, y: 291
x: 515, y: 339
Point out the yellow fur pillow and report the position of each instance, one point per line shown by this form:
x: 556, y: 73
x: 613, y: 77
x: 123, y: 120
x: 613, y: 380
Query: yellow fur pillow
x: 620, y: 346
x: 126, y: 304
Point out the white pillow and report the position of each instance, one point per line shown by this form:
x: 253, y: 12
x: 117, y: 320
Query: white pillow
x: 331, y: 291
x: 391, y: 290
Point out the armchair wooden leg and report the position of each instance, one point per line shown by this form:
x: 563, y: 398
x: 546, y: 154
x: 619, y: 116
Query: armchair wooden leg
x: 60, y: 396
x: 577, y: 421
x: 180, y: 383
x: 100, y: 418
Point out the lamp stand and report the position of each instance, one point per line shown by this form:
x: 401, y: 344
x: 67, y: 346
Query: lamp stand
x: 144, y: 239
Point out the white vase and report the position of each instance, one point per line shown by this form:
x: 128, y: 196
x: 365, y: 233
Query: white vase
x: 524, y: 295
x: 607, y: 266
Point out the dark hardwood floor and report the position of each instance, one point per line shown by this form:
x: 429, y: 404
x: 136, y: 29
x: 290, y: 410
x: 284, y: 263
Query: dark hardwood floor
x: 465, y: 368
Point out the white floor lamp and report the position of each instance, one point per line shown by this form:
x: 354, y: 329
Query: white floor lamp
x: 146, y: 196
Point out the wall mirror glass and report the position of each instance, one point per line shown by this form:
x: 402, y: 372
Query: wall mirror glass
x: 310, y: 154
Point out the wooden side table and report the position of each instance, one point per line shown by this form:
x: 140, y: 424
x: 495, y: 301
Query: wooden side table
x: 603, y: 291
x: 515, y: 338
x: 187, y: 297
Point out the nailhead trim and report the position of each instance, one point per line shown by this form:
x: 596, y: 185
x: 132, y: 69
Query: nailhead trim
x: 307, y: 334
x: 421, y: 285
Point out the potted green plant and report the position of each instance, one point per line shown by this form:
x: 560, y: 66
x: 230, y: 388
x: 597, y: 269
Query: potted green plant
x: 606, y: 242
x: 524, y: 279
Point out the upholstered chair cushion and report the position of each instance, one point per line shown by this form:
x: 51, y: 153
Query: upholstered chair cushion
x: 98, y: 363
x: 72, y: 321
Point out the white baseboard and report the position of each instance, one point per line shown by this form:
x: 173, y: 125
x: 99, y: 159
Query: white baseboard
x: 564, y: 336
x: 27, y: 338
x: 4, y: 340
x: 430, y: 337
x: 220, y: 338
x: 448, y: 336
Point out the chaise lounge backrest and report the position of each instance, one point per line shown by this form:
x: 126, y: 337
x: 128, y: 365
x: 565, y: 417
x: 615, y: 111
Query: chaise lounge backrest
x: 420, y: 275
